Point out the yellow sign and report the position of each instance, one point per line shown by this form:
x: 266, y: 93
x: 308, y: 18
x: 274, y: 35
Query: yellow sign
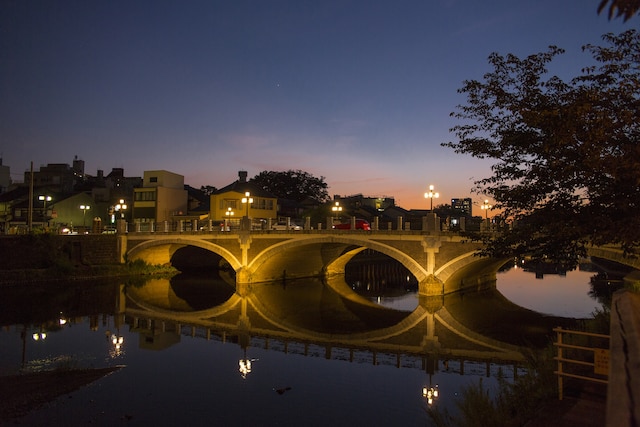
x: 601, y: 361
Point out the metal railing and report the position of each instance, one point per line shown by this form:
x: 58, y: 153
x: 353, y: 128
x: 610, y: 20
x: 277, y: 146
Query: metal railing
x: 581, y: 355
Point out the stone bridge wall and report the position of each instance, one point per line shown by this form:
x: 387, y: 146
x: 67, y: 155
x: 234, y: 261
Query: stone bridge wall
x: 42, y: 251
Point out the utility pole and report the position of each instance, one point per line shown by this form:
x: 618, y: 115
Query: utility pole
x: 30, y: 214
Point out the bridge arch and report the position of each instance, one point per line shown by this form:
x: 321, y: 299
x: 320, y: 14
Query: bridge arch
x: 159, y: 252
x: 334, y: 253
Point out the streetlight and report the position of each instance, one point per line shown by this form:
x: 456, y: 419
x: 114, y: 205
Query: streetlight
x: 337, y: 208
x: 84, y: 212
x: 44, y: 200
x: 485, y: 207
x: 121, y: 207
x: 248, y: 200
x: 431, y: 195
x: 227, y: 221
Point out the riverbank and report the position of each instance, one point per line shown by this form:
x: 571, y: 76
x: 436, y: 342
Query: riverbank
x: 20, y: 394
x: 20, y: 277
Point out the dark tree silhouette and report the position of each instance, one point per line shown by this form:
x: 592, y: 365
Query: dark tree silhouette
x: 620, y: 8
x: 567, y: 171
x: 293, y: 185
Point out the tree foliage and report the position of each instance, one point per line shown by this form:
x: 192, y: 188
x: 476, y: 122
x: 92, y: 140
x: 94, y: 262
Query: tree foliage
x: 293, y: 185
x: 620, y: 8
x: 567, y: 171
x: 208, y: 189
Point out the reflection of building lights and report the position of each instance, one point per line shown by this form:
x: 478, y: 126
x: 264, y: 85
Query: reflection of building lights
x: 244, y: 366
x: 430, y: 393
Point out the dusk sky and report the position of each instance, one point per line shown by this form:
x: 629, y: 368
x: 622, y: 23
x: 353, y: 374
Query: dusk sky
x: 358, y: 92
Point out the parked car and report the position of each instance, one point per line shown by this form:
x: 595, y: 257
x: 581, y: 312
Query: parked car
x: 361, y: 224
x: 283, y: 226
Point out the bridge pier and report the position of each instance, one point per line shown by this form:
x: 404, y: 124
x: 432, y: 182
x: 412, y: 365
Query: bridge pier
x: 243, y: 282
x: 430, y: 287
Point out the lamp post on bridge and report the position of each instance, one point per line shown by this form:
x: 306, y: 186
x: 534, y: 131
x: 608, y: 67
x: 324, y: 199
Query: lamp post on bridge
x: 335, y: 209
x: 431, y: 195
x: 247, y: 199
x: 121, y: 207
x: 227, y: 220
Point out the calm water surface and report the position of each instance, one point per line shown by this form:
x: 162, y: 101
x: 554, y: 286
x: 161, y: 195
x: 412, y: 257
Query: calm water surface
x: 179, y: 374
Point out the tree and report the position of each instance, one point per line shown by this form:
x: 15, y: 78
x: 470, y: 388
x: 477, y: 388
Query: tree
x: 208, y: 189
x: 567, y: 171
x: 293, y: 185
x: 620, y: 8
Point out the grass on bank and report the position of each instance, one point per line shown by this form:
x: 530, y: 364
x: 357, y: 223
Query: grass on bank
x: 515, y: 403
x: 63, y: 269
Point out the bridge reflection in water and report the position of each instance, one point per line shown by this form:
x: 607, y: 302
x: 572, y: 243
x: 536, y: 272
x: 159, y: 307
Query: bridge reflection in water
x: 328, y: 319
x: 170, y: 333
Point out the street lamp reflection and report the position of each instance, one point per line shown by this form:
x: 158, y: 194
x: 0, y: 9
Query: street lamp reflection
x: 117, y: 341
x: 430, y: 393
x: 244, y: 366
x: 39, y: 336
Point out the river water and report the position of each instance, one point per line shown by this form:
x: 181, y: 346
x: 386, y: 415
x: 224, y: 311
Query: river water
x: 307, y: 364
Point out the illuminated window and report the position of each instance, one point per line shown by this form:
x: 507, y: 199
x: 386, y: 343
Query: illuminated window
x: 145, y: 196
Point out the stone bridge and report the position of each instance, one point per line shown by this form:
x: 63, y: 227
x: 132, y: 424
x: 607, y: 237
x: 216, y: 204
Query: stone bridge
x: 437, y: 260
x: 440, y: 261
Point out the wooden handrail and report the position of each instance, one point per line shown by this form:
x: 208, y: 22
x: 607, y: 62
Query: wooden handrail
x: 600, y: 363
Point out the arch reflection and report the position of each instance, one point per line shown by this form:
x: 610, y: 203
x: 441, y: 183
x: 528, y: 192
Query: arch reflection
x: 329, y: 319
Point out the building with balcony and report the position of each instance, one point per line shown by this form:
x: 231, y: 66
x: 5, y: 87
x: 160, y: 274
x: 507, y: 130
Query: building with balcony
x: 226, y: 203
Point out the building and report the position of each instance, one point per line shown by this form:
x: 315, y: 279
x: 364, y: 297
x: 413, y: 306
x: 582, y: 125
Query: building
x: 58, y: 176
x: 378, y: 203
x: 162, y: 197
x: 464, y: 206
x: 48, y: 210
x: 226, y: 203
x: 5, y: 177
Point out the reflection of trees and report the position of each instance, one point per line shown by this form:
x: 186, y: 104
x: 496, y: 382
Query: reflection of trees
x: 603, y: 287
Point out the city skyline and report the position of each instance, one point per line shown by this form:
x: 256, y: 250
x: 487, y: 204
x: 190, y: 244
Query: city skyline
x: 356, y: 92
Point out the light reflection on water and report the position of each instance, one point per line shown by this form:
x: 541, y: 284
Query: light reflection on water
x: 196, y: 381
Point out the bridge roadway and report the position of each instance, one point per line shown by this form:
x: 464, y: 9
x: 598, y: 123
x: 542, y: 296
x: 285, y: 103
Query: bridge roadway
x: 435, y: 259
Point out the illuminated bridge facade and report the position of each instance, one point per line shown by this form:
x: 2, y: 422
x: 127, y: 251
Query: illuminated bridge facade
x: 437, y: 260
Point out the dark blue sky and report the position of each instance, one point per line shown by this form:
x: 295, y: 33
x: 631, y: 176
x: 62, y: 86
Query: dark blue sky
x: 356, y: 91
